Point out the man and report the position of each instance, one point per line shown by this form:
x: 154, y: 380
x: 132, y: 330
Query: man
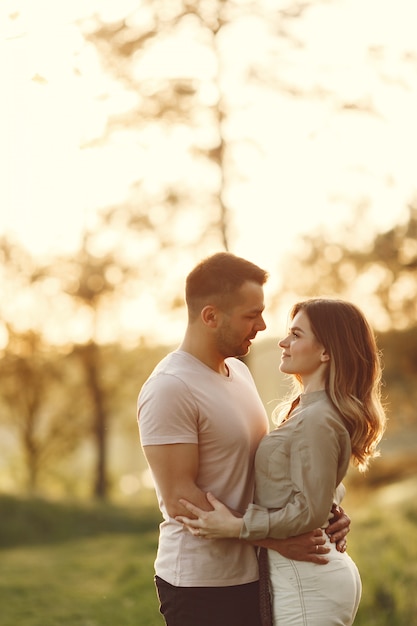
x: 201, y: 420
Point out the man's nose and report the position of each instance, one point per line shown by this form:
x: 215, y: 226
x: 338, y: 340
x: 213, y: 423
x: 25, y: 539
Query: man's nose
x: 261, y: 325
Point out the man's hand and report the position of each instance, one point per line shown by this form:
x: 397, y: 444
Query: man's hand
x: 307, y: 547
x: 339, y: 528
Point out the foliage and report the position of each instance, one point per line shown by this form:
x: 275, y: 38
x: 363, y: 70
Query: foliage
x: 384, y: 522
x: 122, y: 373
x: 37, y: 521
x: 399, y: 349
x: 189, y: 93
x: 54, y: 406
x: 50, y: 401
x: 45, y: 408
x: 38, y: 402
x: 378, y: 271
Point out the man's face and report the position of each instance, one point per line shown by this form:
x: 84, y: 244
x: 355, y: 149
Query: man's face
x: 239, y: 325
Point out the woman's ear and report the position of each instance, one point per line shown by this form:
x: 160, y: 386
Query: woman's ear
x: 325, y: 356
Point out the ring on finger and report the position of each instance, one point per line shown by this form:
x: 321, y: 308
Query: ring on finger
x: 317, y: 547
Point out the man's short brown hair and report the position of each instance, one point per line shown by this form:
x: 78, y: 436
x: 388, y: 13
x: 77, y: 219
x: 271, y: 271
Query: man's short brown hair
x: 216, y: 279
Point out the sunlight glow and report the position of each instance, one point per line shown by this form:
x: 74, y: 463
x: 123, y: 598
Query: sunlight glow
x: 298, y: 163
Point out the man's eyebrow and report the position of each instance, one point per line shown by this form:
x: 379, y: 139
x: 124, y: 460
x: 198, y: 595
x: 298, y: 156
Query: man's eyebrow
x: 257, y: 309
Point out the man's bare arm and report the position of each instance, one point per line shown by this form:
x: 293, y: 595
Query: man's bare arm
x: 311, y: 546
x: 175, y: 468
x: 306, y: 547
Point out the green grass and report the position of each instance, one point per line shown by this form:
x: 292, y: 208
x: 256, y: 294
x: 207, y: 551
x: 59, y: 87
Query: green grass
x: 65, y: 564
x: 383, y: 543
x: 77, y: 565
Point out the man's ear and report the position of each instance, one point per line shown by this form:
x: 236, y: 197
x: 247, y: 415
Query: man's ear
x: 209, y: 315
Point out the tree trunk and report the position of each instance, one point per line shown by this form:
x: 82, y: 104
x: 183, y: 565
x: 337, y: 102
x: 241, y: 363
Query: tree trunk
x: 90, y: 359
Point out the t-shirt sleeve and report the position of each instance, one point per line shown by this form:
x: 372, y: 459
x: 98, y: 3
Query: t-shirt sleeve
x: 167, y: 412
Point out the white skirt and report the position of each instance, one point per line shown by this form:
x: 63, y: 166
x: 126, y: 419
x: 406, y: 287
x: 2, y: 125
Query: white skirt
x: 306, y: 594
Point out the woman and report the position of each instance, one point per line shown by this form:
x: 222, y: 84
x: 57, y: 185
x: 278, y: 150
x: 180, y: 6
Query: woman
x: 335, y: 416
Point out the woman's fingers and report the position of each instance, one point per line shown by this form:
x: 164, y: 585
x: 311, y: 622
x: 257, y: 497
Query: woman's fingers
x: 213, y: 501
x: 187, y: 523
x: 190, y: 523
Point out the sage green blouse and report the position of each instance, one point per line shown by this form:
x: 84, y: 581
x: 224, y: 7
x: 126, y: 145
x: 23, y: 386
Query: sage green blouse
x: 299, y: 467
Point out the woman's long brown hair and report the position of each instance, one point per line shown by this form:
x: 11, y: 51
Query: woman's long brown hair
x: 353, y: 377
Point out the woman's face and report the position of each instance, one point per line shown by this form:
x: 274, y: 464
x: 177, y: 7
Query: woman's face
x: 302, y: 354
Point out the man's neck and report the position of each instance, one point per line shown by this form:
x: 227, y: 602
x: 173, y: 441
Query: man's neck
x: 205, y: 354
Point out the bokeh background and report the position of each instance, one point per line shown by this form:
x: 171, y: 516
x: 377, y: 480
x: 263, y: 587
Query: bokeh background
x: 137, y: 138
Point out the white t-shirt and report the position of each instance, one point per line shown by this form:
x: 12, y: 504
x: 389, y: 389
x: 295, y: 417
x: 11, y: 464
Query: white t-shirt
x: 185, y: 401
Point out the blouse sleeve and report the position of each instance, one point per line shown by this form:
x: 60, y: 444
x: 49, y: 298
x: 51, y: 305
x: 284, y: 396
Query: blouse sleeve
x: 319, y: 457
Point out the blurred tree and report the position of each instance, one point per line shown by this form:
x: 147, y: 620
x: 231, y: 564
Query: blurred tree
x: 378, y: 271
x: 399, y: 350
x: 41, y: 397
x: 41, y: 392
x: 113, y: 264
x: 62, y: 379
x: 189, y: 85
x: 93, y: 279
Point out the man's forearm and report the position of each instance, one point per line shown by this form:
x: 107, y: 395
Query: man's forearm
x: 307, y: 547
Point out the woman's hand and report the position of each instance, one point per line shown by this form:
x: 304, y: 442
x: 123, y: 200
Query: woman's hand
x: 217, y: 524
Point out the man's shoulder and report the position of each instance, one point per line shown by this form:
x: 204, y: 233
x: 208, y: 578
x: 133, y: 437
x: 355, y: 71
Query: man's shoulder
x: 169, y: 368
x: 175, y: 370
x: 177, y: 363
